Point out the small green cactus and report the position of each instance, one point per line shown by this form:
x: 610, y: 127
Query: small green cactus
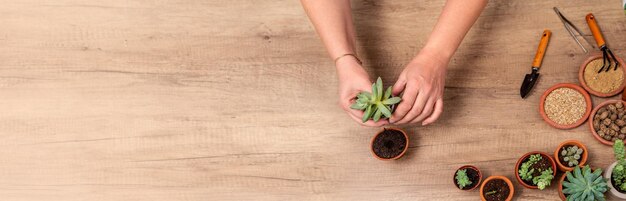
x: 571, y: 155
x: 461, y: 179
x: 619, y: 171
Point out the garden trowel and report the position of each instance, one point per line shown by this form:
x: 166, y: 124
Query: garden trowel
x: 530, y: 79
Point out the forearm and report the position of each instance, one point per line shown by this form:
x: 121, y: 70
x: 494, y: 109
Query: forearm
x: 455, y: 20
x: 332, y: 20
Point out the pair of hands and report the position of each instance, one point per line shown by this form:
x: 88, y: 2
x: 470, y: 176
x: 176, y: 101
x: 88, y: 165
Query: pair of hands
x: 422, y: 82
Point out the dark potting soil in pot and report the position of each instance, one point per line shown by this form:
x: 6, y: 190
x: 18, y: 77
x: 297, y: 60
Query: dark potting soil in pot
x: 389, y: 144
x: 496, y: 190
x: 539, y: 167
x: 473, y: 177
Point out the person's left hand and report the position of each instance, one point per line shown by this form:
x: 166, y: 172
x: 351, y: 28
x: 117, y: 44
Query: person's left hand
x: 422, y: 81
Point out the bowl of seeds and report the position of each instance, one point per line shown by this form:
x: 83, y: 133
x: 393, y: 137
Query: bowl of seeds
x: 565, y: 106
x: 608, y: 121
x: 603, y: 84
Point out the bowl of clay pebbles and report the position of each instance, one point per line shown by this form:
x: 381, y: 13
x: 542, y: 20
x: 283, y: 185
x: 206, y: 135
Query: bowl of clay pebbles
x: 565, y: 106
x: 535, y: 170
x: 608, y: 121
x: 390, y: 144
x: 497, y: 188
x: 467, y: 177
x: 570, y: 154
x: 603, y: 84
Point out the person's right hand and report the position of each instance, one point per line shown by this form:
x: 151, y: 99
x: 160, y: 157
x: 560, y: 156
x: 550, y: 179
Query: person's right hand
x: 352, y: 80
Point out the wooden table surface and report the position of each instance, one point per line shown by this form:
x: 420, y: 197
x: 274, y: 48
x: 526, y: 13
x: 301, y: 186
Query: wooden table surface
x: 237, y: 100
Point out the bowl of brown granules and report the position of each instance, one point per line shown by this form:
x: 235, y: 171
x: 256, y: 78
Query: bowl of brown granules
x: 603, y: 84
x: 607, y: 121
x: 565, y: 106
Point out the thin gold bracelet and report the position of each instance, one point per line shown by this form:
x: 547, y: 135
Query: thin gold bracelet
x: 349, y: 54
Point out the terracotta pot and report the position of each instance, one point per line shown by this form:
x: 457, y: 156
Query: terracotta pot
x: 526, y: 156
x: 480, y: 177
x: 561, y: 195
x: 581, y: 79
x: 583, y: 158
x: 508, y: 182
x: 398, y: 156
x: 571, y: 86
x: 612, y: 190
x: 593, y: 113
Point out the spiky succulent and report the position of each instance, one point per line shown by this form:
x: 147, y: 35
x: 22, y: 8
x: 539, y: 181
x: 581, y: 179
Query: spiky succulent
x: 377, y: 103
x: 619, y: 171
x: 461, y: 179
x: 585, y: 185
x: 571, y: 155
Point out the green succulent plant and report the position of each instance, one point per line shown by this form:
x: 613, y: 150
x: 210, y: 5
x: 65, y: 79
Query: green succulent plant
x: 544, y: 180
x: 526, y: 173
x: 571, y: 155
x: 584, y: 185
x: 619, y: 171
x: 461, y: 179
x: 376, y: 104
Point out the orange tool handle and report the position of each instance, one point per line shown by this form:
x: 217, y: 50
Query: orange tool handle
x: 543, y: 44
x: 595, y: 29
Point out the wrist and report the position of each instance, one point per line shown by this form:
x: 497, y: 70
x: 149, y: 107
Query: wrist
x: 429, y: 53
x: 347, y: 66
x: 437, y: 52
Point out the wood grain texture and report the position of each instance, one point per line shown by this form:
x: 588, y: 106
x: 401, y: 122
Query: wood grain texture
x: 236, y: 100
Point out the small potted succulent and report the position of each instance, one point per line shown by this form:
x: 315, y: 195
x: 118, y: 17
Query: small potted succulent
x: 582, y: 185
x: 467, y: 177
x: 390, y: 144
x: 377, y: 104
x: 616, y: 173
x: 569, y: 154
x: 496, y: 188
x: 535, y: 170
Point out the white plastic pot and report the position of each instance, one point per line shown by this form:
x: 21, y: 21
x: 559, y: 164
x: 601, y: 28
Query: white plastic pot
x: 612, y: 189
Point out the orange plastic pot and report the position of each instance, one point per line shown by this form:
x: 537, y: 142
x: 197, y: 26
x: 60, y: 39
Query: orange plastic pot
x: 526, y: 156
x: 508, y: 182
x: 571, y: 86
x: 406, y: 146
x: 593, y: 113
x: 583, y: 158
x: 480, y: 176
x: 581, y: 78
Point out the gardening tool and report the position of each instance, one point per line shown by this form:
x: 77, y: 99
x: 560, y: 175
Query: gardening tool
x: 607, y: 55
x: 530, y: 79
x: 569, y: 26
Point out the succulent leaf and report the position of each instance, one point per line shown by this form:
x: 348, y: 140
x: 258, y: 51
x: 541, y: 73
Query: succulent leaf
x: 377, y: 115
x: 387, y: 94
x: 384, y: 109
x: 367, y: 114
x: 379, y: 88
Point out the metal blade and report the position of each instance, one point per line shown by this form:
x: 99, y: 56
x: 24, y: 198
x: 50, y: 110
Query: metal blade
x: 529, y: 83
